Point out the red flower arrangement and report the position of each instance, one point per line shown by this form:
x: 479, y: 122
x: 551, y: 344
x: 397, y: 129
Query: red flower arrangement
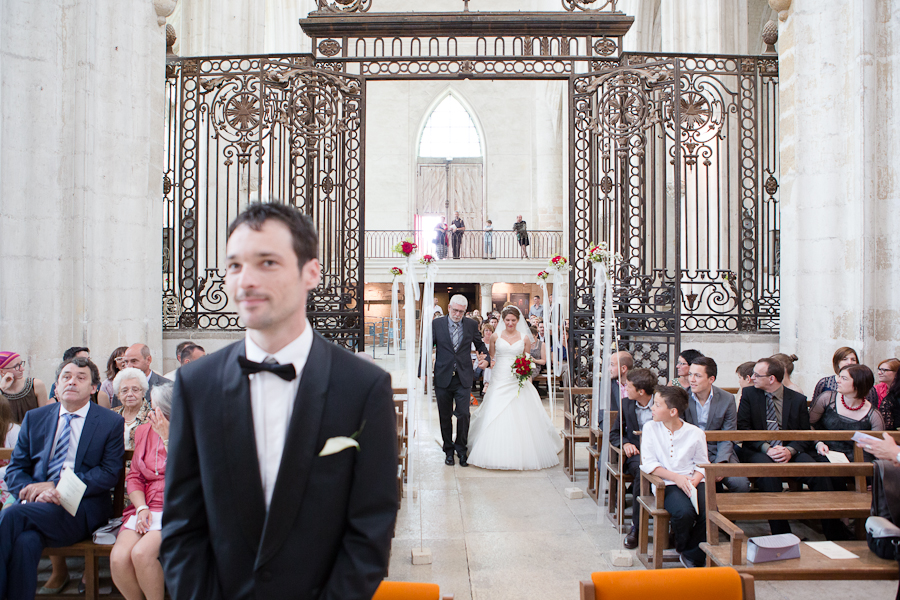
x: 558, y: 261
x: 406, y: 247
x: 522, y: 368
x: 543, y: 275
x: 427, y: 259
x: 396, y: 271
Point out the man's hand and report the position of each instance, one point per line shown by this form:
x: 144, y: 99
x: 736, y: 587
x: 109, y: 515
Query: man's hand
x: 779, y: 454
x: 6, y: 382
x: 50, y: 496
x: 822, y: 448
x: 30, y: 492
x: 482, y: 360
x: 885, y: 449
x: 630, y: 450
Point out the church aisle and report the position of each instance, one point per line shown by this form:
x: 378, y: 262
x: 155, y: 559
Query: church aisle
x: 498, y: 535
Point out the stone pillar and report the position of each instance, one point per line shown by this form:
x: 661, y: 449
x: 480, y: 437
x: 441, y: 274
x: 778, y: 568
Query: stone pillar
x: 839, y: 139
x: 81, y: 147
x: 486, y: 289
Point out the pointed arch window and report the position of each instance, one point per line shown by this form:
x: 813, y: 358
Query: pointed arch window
x: 450, y: 132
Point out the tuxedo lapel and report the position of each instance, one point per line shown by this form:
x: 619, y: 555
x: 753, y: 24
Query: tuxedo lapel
x: 87, y: 434
x: 300, y: 447
x: 240, y: 441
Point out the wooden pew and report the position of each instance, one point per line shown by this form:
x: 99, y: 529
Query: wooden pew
x: 572, y: 434
x: 400, y: 405
x: 595, y: 441
x: 87, y: 549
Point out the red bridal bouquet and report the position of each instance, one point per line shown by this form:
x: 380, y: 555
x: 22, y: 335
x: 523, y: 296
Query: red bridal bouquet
x: 522, y: 367
x: 396, y: 271
x: 406, y: 247
x: 559, y: 263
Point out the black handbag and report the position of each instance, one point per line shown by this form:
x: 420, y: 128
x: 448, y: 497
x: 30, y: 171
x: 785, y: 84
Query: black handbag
x: 882, y: 534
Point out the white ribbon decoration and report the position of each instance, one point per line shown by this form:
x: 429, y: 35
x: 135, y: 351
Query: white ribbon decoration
x: 428, y: 303
x: 560, y: 281
x: 411, y: 290
x: 395, y: 320
x: 602, y: 384
x: 548, y: 348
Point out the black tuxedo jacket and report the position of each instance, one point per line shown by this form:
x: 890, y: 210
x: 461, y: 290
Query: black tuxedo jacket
x: 327, y: 533
x: 629, y: 409
x: 446, y: 360
x: 614, y: 393
x: 752, y: 416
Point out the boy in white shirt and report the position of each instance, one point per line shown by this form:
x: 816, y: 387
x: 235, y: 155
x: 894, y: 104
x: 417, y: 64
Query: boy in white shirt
x: 672, y: 449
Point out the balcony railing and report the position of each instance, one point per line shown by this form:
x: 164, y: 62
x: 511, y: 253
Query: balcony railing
x: 475, y: 243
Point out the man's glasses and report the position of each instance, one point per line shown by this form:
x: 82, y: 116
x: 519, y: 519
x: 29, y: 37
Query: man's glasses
x: 756, y: 375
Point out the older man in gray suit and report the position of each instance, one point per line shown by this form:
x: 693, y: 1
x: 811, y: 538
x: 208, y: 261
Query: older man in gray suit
x: 713, y: 409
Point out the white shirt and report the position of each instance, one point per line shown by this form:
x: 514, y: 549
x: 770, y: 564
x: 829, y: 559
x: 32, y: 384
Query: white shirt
x: 171, y: 374
x: 76, y: 425
x: 679, y: 452
x: 272, y: 402
x: 12, y: 436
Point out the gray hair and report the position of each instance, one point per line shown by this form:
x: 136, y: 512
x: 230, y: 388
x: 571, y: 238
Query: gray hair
x: 130, y: 373
x: 161, y: 397
x: 459, y: 300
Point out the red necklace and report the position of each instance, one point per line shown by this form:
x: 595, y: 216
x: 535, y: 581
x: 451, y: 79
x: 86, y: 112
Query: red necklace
x: 844, y: 402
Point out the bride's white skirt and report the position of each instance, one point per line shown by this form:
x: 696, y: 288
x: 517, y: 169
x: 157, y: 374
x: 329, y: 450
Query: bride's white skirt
x: 511, y: 430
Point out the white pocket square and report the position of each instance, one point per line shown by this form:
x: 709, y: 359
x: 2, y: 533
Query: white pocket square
x: 338, y: 444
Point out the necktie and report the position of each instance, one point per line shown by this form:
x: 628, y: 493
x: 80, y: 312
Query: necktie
x: 286, y: 372
x: 62, y: 448
x: 771, y: 418
x: 456, y: 334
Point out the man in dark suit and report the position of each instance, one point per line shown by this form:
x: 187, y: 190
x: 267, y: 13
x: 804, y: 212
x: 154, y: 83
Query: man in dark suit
x: 138, y: 356
x: 770, y: 405
x: 713, y: 409
x: 640, y: 386
x: 281, y: 480
x: 457, y: 236
x: 453, y: 337
x: 74, y: 434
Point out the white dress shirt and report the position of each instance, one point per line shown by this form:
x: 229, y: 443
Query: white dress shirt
x: 680, y: 451
x: 272, y: 403
x: 76, y: 425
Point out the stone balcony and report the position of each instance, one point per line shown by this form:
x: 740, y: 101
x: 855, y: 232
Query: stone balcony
x: 464, y: 270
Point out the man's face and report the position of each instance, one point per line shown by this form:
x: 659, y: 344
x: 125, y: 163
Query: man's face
x: 135, y: 358
x: 700, y: 382
x: 613, y: 367
x: 631, y: 391
x: 457, y: 312
x: 456, y: 215
x: 540, y: 327
x: 762, y: 379
x: 536, y: 300
x: 494, y: 321
x: 518, y: 218
x: 264, y: 278
x: 197, y: 353
x: 74, y: 386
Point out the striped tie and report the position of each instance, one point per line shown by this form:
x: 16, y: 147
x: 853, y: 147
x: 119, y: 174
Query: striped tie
x: 771, y: 418
x: 456, y: 335
x: 62, y: 449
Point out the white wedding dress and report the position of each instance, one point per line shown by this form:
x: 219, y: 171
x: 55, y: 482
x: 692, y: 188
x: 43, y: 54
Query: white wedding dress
x: 511, y: 430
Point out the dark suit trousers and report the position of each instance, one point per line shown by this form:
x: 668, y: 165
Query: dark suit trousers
x: 25, y: 530
x: 689, y: 527
x: 832, y: 528
x: 632, y: 466
x: 456, y: 240
x: 445, y: 399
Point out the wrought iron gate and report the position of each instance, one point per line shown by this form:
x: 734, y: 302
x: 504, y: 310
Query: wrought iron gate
x: 274, y: 129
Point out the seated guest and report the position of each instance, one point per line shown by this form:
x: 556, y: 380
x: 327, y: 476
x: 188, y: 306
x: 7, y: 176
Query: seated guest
x: 99, y: 397
x: 682, y: 368
x: 9, y: 433
x: 788, y: 363
x: 114, y: 364
x: 842, y: 357
x: 888, y: 407
x: 138, y: 356
x: 178, y: 350
x: 620, y: 363
x: 22, y: 393
x: 189, y: 353
x: 672, y: 450
x: 50, y: 439
x: 636, y: 408
x: 769, y: 405
x: 134, y: 560
x: 846, y: 409
x: 745, y: 378
x: 130, y: 387
x: 713, y: 409
x: 537, y: 353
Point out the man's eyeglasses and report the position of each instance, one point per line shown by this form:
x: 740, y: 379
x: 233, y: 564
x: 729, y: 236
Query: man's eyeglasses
x: 756, y: 375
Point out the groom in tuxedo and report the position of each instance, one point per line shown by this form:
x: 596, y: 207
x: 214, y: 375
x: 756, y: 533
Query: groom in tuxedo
x: 258, y: 504
x: 453, y: 337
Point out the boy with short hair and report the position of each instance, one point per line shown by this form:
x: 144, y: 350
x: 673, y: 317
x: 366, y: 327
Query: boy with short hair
x: 672, y: 449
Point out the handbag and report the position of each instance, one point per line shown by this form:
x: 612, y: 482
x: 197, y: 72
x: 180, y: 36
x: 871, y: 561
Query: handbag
x: 882, y: 534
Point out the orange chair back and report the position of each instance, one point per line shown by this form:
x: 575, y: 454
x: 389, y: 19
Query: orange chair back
x: 717, y: 583
x: 404, y: 590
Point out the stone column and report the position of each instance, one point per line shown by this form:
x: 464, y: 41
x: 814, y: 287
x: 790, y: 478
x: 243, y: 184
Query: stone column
x: 81, y: 149
x: 839, y: 139
x: 486, y: 289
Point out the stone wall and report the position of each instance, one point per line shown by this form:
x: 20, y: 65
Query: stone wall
x: 81, y: 95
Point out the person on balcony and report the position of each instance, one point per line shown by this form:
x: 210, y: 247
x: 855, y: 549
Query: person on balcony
x: 440, y: 238
x: 459, y: 226
x: 489, y: 239
x: 521, y: 230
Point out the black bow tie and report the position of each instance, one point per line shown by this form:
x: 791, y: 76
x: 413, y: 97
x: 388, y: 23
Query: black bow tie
x: 286, y: 372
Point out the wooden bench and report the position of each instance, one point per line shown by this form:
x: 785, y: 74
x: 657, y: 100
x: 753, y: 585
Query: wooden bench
x: 572, y: 434
x: 87, y: 549
x: 595, y: 441
x: 400, y: 405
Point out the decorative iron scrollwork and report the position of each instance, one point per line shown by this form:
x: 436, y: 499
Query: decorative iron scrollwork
x: 605, y: 46
x: 345, y: 6
x: 590, y: 5
x: 329, y: 47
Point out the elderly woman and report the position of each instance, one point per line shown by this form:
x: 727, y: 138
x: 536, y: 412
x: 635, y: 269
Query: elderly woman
x: 134, y: 560
x: 130, y: 387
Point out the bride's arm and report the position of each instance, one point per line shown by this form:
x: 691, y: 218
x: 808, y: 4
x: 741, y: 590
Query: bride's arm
x: 492, y: 346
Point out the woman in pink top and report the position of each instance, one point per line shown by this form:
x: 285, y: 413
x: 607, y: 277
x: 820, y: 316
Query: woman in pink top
x: 134, y: 560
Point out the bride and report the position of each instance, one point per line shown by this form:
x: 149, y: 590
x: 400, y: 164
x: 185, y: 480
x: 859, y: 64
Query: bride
x: 511, y: 429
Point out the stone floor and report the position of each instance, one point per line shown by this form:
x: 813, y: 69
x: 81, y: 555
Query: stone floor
x: 497, y: 535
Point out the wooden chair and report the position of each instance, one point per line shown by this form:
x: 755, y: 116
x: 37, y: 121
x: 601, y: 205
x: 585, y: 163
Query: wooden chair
x: 572, y: 434
x: 595, y: 442
x: 719, y: 583
x: 652, y: 505
x: 87, y: 549
x: 618, y: 481
x: 406, y: 590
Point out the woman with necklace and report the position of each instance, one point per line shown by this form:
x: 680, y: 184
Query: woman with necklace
x: 22, y: 393
x: 130, y: 387
x: 846, y: 409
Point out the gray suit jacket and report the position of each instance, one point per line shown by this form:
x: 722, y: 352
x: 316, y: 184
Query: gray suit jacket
x: 722, y: 416
x: 154, y: 380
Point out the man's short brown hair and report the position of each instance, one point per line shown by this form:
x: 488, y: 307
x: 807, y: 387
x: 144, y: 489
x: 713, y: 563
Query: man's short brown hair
x: 642, y: 379
x: 303, y: 232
